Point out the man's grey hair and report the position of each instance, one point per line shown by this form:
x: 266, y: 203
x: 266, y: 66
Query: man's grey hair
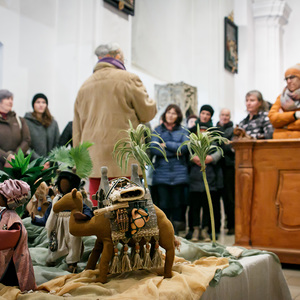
x: 111, y: 48
x: 5, y: 94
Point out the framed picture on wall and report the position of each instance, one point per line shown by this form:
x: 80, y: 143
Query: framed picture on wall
x: 230, y: 46
x: 127, y: 6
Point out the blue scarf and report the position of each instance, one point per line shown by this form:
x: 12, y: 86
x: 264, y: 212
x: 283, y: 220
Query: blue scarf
x: 113, y: 61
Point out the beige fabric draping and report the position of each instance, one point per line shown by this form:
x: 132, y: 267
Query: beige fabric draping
x: 189, y: 281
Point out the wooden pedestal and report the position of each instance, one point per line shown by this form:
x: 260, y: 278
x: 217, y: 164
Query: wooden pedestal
x: 267, y: 197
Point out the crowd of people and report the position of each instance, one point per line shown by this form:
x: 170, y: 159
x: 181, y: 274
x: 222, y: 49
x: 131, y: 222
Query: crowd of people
x: 37, y: 132
x: 176, y: 184
x: 179, y: 184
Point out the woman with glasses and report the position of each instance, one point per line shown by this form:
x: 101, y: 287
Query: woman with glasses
x: 257, y: 123
x: 285, y: 112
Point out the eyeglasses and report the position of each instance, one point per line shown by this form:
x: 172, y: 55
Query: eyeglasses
x: 290, y: 77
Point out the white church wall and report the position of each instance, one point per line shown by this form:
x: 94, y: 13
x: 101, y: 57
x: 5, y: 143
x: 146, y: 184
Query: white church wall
x: 26, y: 61
x: 215, y: 84
x: 187, y: 49
x: 48, y: 46
x: 291, y: 44
x: 244, y: 80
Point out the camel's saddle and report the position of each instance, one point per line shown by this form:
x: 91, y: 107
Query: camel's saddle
x: 132, y: 216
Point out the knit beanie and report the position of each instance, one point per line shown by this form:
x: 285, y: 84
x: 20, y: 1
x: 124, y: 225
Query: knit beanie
x: 207, y: 108
x: 294, y: 70
x: 37, y: 96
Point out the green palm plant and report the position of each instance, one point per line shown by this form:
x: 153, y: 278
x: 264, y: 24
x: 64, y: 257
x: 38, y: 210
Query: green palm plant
x: 135, y: 146
x: 202, y: 144
x: 78, y: 157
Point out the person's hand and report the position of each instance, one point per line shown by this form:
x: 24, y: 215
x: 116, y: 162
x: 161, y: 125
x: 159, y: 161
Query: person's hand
x: 9, y: 158
x: 32, y: 215
x: 208, y: 159
x: 46, y: 165
x: 196, y: 160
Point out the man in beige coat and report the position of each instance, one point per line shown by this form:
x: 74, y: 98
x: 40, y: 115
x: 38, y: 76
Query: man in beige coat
x: 105, y: 102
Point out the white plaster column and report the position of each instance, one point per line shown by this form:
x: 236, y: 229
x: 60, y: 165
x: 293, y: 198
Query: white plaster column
x: 270, y: 16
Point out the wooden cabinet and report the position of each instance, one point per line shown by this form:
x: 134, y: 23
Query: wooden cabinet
x: 267, y: 197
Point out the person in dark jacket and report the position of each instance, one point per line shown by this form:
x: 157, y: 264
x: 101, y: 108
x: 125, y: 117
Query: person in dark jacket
x: 43, y: 128
x: 190, y: 123
x: 172, y: 176
x: 198, y: 197
x: 66, y: 136
x: 228, y: 169
x: 14, y: 132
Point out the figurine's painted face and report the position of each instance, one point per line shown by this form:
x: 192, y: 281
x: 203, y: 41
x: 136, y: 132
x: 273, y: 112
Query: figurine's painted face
x: 65, y: 186
x: 40, y: 105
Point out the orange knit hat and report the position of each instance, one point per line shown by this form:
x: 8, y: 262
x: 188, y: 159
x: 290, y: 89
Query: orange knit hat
x: 294, y: 70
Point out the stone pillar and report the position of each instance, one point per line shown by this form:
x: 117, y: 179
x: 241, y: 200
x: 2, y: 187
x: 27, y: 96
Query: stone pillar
x: 270, y: 16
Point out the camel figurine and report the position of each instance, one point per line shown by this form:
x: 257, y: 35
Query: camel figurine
x: 100, y: 226
x: 240, y: 134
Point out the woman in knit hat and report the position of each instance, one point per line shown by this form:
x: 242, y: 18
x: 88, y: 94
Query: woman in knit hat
x: 43, y: 128
x: 200, y: 229
x: 257, y: 123
x: 14, y: 132
x: 285, y: 112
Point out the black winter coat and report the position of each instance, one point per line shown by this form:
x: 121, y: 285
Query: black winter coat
x: 229, y: 155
